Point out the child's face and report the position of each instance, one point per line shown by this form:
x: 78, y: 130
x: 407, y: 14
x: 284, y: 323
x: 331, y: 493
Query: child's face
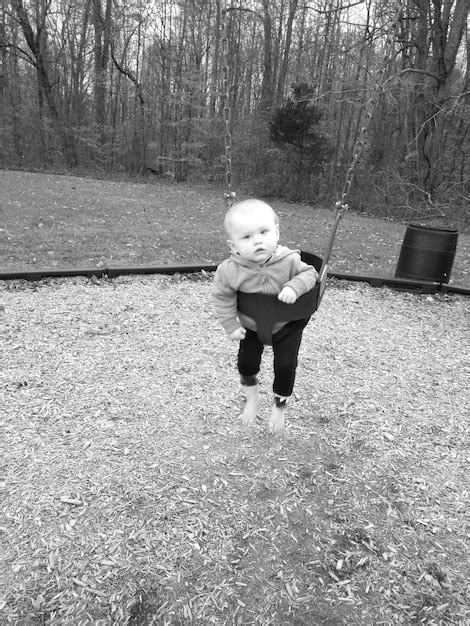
x: 254, y: 236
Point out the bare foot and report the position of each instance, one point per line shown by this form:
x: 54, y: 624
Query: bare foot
x: 249, y: 414
x: 251, y: 407
x: 277, y: 420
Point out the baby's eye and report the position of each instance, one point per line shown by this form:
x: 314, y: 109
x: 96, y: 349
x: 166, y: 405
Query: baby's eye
x: 246, y: 236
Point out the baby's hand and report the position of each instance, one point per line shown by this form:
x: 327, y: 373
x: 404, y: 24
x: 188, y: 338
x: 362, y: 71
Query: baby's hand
x: 287, y: 295
x: 237, y: 335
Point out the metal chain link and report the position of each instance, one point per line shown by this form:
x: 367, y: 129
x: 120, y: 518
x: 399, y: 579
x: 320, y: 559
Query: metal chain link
x: 229, y: 194
x: 341, y: 206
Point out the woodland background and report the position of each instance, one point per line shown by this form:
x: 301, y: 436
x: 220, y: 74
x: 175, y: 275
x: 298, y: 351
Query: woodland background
x: 141, y: 88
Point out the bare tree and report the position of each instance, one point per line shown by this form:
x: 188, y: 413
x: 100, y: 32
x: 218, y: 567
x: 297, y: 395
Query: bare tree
x: 101, y: 26
x: 132, y: 83
x: 281, y: 84
x: 37, y: 42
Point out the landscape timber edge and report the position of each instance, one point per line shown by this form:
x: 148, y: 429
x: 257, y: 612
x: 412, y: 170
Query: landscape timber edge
x: 111, y: 271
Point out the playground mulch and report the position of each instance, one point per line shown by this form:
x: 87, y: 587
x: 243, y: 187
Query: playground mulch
x: 132, y: 494
x: 53, y: 221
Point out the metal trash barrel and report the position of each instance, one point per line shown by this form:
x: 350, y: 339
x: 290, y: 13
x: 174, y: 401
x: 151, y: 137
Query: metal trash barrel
x: 427, y: 253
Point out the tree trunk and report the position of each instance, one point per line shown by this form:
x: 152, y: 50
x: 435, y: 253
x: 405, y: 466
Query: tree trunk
x: 287, y: 46
x: 78, y: 70
x: 3, y: 49
x: 299, y: 69
x: 446, y: 39
x: 267, y: 87
x: 37, y: 47
x: 100, y: 63
x: 214, y: 82
x: 466, y: 87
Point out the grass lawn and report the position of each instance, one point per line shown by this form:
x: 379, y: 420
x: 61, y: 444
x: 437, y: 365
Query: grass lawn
x: 130, y: 491
x: 63, y: 221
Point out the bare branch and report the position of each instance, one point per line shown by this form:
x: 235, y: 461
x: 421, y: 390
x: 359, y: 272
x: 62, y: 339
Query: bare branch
x: 413, y: 70
x: 334, y: 9
x: 20, y: 53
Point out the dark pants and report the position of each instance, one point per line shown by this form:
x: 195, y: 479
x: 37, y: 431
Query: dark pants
x: 286, y: 344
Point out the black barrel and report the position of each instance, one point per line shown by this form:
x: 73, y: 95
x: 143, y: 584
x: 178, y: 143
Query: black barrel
x: 427, y: 253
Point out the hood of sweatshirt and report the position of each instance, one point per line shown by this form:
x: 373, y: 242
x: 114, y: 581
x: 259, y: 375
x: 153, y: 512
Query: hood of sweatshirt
x: 280, y: 253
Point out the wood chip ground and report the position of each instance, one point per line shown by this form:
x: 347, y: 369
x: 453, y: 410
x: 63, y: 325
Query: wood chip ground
x: 132, y: 494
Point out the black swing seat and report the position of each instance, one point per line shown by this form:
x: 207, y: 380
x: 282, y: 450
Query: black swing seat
x: 266, y: 309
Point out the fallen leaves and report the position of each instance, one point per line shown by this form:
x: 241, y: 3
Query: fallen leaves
x: 67, y: 221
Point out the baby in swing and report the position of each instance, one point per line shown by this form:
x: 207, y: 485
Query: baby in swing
x: 259, y: 264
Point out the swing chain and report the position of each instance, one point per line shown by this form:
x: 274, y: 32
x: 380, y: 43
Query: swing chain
x: 341, y: 205
x: 229, y: 194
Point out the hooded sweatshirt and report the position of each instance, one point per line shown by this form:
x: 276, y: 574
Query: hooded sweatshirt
x: 284, y: 268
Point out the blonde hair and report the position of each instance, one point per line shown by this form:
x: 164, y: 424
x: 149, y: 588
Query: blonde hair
x: 246, y: 207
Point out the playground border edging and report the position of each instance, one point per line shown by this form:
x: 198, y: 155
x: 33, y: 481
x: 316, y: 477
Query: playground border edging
x: 113, y: 271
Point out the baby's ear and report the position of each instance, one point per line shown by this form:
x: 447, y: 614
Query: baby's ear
x: 230, y: 245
